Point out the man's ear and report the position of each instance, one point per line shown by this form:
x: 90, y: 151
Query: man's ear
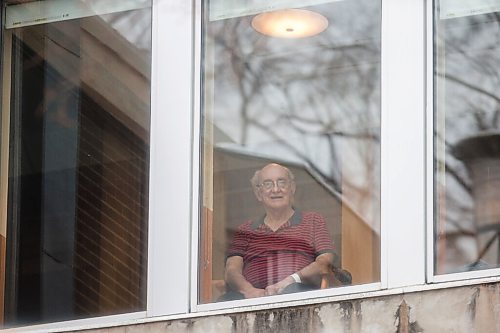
x: 292, y: 188
x: 257, y: 193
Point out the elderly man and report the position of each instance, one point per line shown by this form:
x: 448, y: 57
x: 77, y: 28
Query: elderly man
x: 284, y: 251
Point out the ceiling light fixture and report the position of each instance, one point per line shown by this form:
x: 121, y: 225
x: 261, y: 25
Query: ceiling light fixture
x: 290, y: 23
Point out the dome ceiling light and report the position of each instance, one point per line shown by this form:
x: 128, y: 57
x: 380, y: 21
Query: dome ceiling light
x: 290, y: 23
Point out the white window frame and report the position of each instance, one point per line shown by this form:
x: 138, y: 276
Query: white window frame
x: 92, y: 322
x: 402, y: 244
x: 171, y: 167
x: 403, y: 137
x: 479, y: 275
x: 174, y: 194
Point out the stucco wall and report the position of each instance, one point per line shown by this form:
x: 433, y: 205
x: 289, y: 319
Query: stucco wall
x: 464, y: 309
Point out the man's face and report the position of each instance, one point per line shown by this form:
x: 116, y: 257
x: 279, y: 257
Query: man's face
x: 275, y: 189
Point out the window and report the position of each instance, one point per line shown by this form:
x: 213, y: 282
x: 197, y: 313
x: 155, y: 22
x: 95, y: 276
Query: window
x: 305, y: 100
x: 77, y: 92
x: 466, y: 139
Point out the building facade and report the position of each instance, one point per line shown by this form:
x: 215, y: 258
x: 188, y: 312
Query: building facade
x: 131, y: 133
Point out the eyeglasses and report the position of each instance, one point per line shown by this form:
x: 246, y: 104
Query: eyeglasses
x: 269, y: 184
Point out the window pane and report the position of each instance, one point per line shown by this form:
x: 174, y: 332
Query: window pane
x: 466, y: 136
x: 307, y: 101
x: 80, y: 110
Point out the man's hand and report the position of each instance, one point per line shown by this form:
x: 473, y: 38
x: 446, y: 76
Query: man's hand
x: 235, y: 279
x: 253, y: 292
x: 278, y: 287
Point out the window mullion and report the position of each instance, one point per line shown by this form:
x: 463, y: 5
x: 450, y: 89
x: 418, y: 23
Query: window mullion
x: 403, y: 182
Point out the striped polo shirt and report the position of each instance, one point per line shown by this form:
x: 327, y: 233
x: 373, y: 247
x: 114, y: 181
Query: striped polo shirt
x: 270, y: 256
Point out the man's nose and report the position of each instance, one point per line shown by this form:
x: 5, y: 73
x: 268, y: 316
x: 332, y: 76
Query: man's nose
x: 275, y: 187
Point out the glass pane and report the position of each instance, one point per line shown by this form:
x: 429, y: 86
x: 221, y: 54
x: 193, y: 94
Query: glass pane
x: 304, y: 104
x: 80, y: 110
x: 466, y: 136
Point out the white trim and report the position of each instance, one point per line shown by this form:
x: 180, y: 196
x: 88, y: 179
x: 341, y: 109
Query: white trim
x: 271, y: 302
x: 384, y: 234
x: 453, y: 8
x: 350, y: 294
x: 224, y: 9
x: 196, y: 155
x: 81, y: 324
x: 429, y: 135
x: 170, y: 168
x: 47, y: 11
x: 403, y: 142
x: 461, y: 276
x: 357, y: 295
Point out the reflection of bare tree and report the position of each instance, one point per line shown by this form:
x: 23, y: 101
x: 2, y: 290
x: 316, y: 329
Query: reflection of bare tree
x: 467, y: 83
x: 314, y: 100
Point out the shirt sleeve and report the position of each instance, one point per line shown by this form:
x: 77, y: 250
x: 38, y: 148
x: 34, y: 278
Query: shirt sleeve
x: 239, y: 243
x: 323, y: 242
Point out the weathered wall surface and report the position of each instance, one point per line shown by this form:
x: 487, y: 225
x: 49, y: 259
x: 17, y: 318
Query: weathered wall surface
x: 472, y: 309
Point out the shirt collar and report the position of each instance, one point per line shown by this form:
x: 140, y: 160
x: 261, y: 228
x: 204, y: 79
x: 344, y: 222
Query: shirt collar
x: 294, y: 220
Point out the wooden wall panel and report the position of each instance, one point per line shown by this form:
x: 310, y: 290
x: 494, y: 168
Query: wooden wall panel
x: 360, y: 248
x: 205, y: 258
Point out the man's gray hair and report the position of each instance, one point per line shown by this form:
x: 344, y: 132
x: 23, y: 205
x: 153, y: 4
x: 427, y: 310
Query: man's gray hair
x: 255, y: 179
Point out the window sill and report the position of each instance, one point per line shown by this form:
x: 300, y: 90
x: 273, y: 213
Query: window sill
x: 273, y: 302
